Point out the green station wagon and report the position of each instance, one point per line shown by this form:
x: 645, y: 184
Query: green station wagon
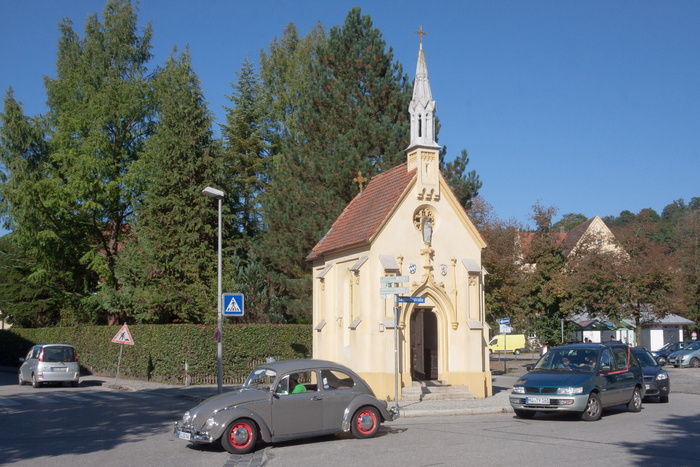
x: 580, y: 378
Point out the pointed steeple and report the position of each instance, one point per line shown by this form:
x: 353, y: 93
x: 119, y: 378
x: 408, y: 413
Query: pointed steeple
x: 422, y: 107
x: 423, y: 151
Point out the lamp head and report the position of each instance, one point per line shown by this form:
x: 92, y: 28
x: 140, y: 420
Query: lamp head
x: 213, y: 193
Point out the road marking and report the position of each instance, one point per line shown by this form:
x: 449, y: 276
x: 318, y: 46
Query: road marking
x: 105, y: 395
x: 138, y: 395
x: 73, y: 397
x: 38, y: 398
x: 8, y: 402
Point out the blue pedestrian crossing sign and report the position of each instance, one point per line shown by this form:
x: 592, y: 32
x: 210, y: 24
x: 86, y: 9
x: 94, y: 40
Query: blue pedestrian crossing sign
x: 233, y: 304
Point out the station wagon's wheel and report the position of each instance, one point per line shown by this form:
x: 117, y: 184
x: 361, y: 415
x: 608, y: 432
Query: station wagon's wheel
x: 661, y: 361
x: 240, y: 436
x: 365, y: 422
x: 635, y: 404
x: 517, y: 352
x: 525, y: 413
x: 35, y: 382
x: 695, y: 362
x: 593, y: 409
x: 21, y: 381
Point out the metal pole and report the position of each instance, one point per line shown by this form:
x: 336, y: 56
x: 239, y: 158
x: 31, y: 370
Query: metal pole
x: 396, y: 352
x: 119, y: 364
x: 221, y: 336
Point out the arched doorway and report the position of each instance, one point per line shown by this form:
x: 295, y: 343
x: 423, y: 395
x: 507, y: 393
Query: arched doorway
x: 424, y: 345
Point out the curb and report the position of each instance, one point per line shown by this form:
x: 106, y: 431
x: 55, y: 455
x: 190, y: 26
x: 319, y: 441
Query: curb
x: 451, y: 412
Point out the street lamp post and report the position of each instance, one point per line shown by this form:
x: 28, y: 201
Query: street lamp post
x: 219, y: 195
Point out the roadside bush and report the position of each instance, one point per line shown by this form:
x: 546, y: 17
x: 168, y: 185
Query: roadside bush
x: 182, y: 353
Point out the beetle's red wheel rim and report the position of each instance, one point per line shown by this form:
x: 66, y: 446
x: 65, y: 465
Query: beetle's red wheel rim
x: 241, y: 435
x: 366, y: 421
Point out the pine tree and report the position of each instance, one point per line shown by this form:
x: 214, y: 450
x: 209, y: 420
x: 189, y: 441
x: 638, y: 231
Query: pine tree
x: 354, y: 119
x: 246, y: 136
x: 46, y: 229
x: 247, y: 139
x: 167, y: 270
x: 465, y: 186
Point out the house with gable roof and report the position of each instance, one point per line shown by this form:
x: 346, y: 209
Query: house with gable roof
x: 656, y: 331
x: 407, y: 225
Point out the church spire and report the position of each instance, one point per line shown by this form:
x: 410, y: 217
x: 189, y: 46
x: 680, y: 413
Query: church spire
x: 422, y: 107
x: 423, y: 152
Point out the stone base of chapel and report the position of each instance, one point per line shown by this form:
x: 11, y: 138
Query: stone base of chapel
x: 384, y: 387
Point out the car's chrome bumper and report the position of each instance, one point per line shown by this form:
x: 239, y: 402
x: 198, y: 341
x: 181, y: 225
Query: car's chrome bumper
x: 394, y: 412
x: 57, y: 377
x: 189, y: 433
x: 573, y: 403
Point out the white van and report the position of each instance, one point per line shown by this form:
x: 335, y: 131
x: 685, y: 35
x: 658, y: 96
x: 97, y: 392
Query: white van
x: 509, y: 343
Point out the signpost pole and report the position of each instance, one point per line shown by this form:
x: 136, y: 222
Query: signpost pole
x: 119, y: 364
x: 397, y: 309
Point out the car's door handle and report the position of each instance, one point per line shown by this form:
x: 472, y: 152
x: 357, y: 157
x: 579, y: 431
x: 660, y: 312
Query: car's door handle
x: 317, y: 398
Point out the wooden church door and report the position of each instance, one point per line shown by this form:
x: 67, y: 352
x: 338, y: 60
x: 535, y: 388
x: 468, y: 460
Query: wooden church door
x: 424, y: 345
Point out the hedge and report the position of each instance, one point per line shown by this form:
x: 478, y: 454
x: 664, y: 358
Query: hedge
x: 184, y: 354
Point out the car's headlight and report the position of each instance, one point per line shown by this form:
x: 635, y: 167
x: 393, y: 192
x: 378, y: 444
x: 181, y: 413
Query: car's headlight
x: 518, y: 389
x: 570, y: 391
x: 186, y: 418
x: 210, y: 423
x: 662, y: 375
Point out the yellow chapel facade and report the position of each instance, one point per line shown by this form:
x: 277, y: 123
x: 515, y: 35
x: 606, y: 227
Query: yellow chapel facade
x: 406, y: 229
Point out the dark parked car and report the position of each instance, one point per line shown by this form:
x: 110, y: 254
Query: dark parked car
x: 656, y: 380
x: 662, y: 354
x: 287, y: 400
x: 581, y: 378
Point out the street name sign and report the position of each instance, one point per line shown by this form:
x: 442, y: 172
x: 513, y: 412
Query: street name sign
x: 405, y: 299
x: 393, y: 290
x: 393, y: 280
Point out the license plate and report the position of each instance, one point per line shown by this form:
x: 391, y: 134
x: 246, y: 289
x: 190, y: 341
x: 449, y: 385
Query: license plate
x: 59, y: 368
x: 537, y: 400
x: 183, y: 435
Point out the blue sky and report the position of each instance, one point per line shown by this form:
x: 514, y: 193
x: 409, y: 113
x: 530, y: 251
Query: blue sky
x: 590, y: 106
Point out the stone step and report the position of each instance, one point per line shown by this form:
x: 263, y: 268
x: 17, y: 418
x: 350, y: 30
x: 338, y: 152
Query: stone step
x: 435, y: 391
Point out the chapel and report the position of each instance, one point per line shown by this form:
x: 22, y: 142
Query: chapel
x: 406, y: 231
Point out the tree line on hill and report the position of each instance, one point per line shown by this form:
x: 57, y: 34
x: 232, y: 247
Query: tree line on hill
x: 655, y: 269
x: 103, y: 193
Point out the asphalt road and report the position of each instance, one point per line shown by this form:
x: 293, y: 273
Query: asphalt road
x: 94, y: 425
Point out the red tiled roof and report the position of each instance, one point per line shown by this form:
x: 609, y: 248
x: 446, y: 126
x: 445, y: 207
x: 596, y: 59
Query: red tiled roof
x: 362, y: 217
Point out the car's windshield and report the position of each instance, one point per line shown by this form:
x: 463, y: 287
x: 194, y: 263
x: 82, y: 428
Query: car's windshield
x: 645, y: 358
x: 671, y: 346
x: 568, y: 360
x: 58, y: 354
x: 693, y: 346
x: 260, y: 378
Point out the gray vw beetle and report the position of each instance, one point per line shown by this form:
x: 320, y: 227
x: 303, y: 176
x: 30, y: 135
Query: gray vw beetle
x: 287, y: 400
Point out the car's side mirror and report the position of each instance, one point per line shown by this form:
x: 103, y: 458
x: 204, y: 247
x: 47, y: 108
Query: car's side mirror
x: 662, y: 363
x: 605, y: 368
x: 528, y: 367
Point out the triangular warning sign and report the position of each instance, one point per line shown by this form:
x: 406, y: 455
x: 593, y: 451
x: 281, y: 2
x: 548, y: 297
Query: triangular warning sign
x: 123, y: 336
x: 233, y: 307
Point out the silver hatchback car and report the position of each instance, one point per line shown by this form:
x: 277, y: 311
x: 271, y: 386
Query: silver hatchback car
x: 50, y: 363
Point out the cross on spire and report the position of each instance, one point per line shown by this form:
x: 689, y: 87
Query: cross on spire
x: 360, y: 180
x: 420, y: 33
